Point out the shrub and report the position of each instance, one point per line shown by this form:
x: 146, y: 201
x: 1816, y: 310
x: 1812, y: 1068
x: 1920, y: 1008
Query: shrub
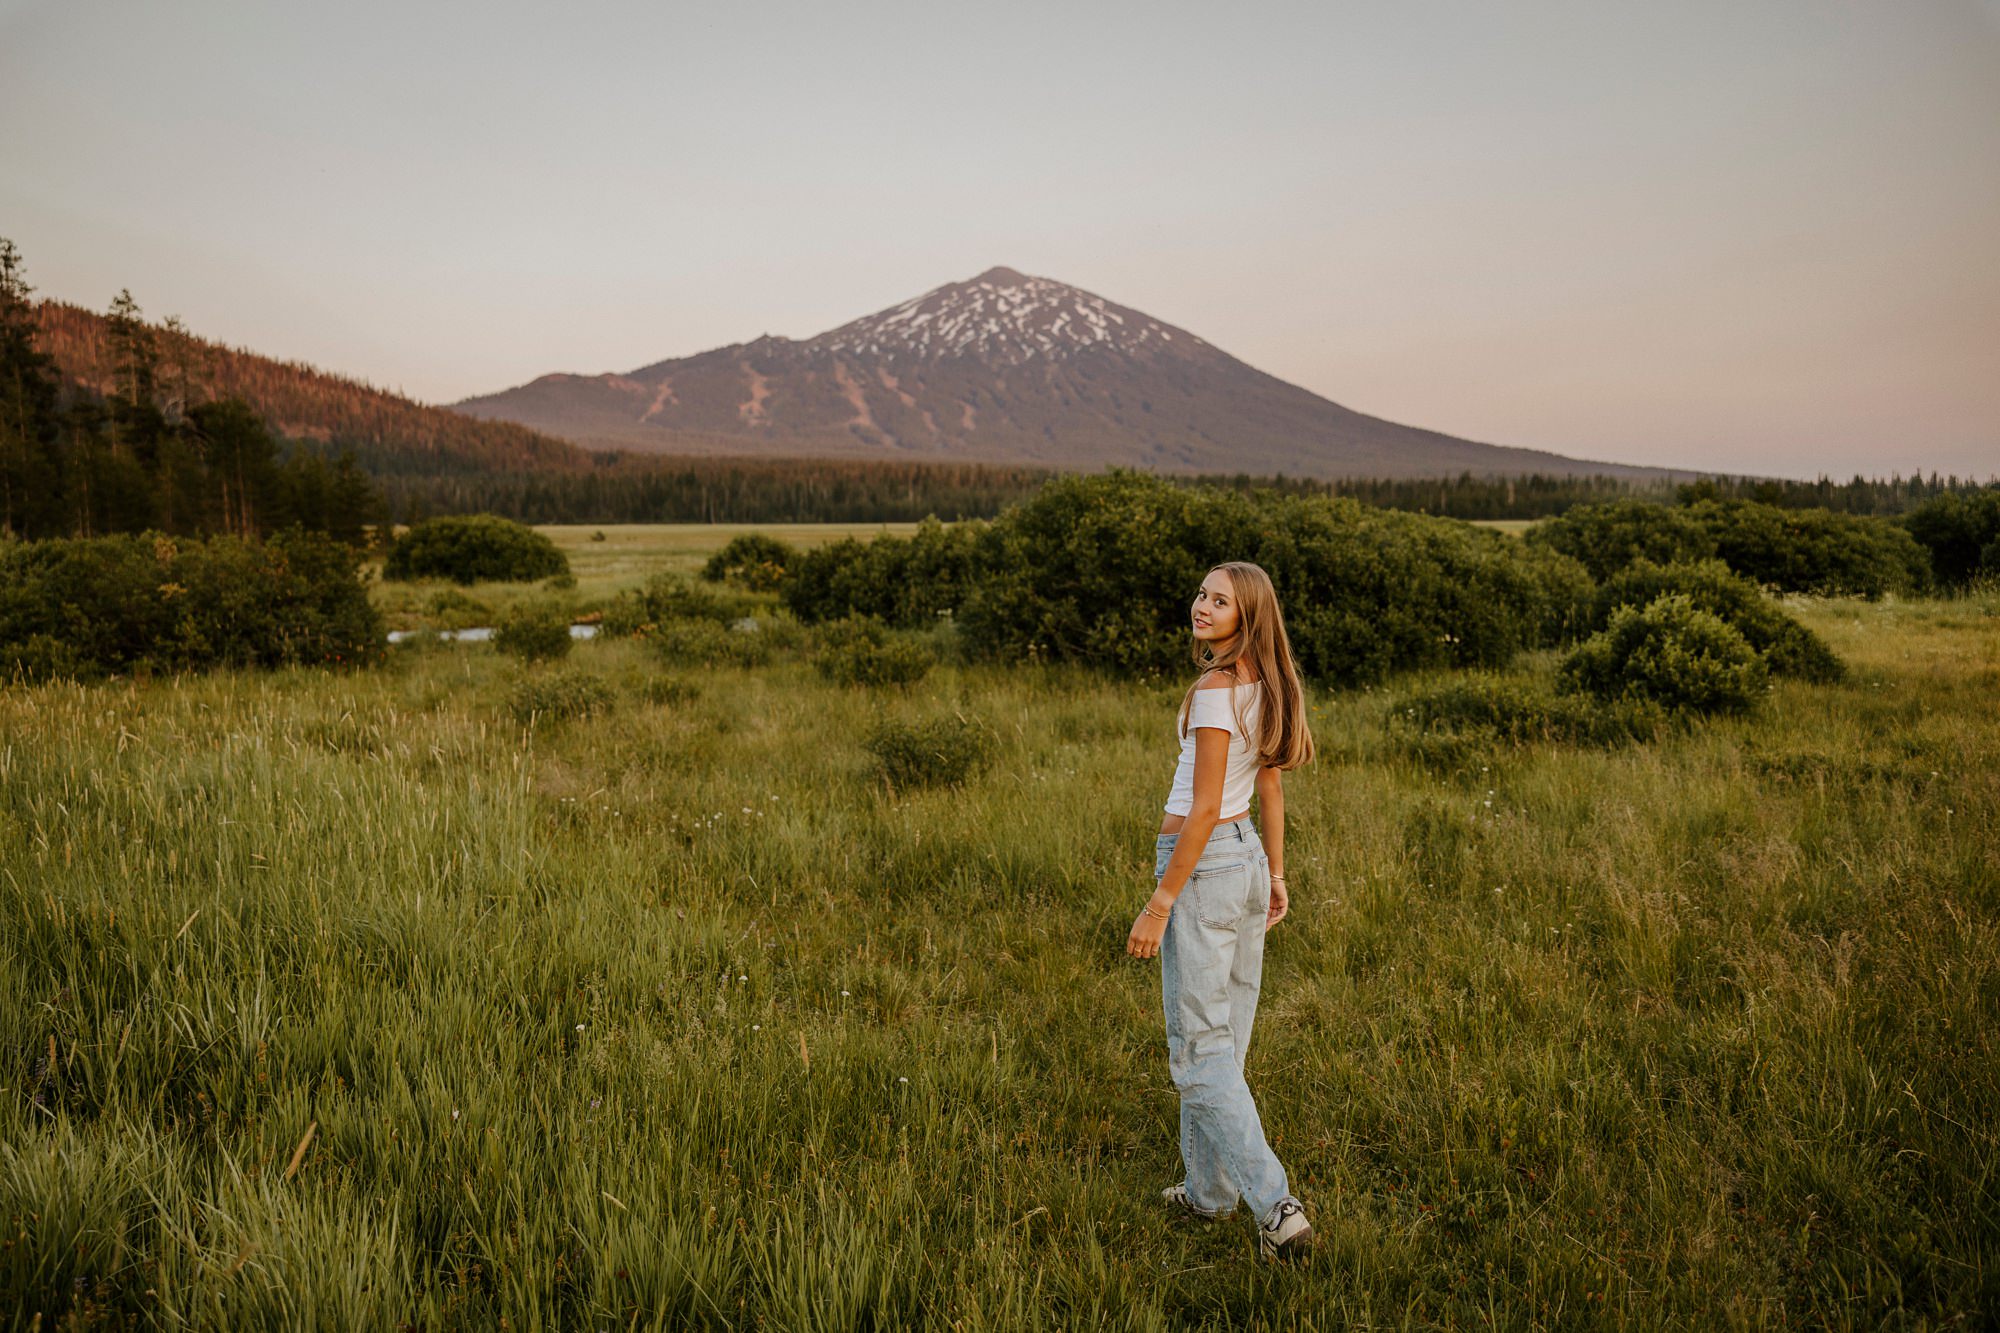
x: 1669, y: 653
x: 1495, y: 710
x: 456, y: 610
x: 1788, y: 648
x: 1814, y: 550
x: 473, y: 548
x: 555, y: 695
x: 903, y: 581
x: 754, y: 560
x: 85, y: 607
x: 669, y: 597
x: 859, y: 651
x: 1961, y: 534
x: 943, y: 751
x: 1101, y: 569
x: 533, y: 634
x: 686, y: 643
x: 1606, y: 538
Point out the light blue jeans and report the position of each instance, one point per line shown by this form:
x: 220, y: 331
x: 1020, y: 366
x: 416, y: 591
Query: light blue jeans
x: 1211, y: 967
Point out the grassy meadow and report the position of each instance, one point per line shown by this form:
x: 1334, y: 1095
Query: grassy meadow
x: 354, y: 1001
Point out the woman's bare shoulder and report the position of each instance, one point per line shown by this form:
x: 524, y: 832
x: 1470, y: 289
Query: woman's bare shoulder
x: 1222, y: 679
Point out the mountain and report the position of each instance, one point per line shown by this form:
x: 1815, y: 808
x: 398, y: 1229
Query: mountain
x: 1002, y: 368
x: 389, y: 434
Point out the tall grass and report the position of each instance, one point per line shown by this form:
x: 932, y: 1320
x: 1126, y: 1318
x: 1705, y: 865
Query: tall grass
x: 352, y: 1001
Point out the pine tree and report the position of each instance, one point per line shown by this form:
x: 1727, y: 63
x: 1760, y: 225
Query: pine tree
x: 30, y: 477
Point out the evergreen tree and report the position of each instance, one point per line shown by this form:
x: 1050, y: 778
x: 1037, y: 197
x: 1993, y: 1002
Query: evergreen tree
x: 30, y: 425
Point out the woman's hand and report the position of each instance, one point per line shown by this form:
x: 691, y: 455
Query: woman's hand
x: 1147, y: 932
x: 1281, y: 903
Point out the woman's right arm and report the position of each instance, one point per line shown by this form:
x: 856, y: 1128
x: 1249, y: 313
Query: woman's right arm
x: 1271, y: 828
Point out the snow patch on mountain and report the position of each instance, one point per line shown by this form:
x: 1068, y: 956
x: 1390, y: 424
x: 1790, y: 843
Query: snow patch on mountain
x: 1003, y: 317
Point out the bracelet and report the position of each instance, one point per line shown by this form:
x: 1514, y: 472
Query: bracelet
x: 1157, y: 916
x: 1277, y: 879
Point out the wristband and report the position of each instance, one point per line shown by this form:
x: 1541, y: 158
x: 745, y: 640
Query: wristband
x: 1157, y: 916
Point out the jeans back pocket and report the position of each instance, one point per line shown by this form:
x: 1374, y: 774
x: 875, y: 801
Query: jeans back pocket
x: 1221, y: 892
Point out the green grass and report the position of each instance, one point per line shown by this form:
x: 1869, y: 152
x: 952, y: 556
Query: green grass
x: 606, y: 1024
x: 630, y: 554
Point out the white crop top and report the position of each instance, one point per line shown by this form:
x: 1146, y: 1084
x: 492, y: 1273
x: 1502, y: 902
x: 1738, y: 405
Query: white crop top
x: 1215, y: 708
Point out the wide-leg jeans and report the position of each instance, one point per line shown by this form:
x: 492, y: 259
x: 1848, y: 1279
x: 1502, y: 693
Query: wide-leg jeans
x: 1211, y: 968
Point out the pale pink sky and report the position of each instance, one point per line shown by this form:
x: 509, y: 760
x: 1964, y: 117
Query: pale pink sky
x: 1749, y: 236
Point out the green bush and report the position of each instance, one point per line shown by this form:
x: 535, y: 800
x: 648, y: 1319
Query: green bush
x: 1814, y: 550
x: 903, y: 581
x: 1491, y: 710
x: 533, y: 634
x: 1606, y: 538
x: 1788, y: 648
x: 86, y: 607
x: 858, y: 650
x: 686, y: 643
x: 1961, y: 534
x: 669, y: 597
x: 754, y: 560
x: 1668, y: 653
x: 473, y: 548
x: 943, y: 751
x: 551, y: 696
x: 453, y: 609
x: 1101, y: 569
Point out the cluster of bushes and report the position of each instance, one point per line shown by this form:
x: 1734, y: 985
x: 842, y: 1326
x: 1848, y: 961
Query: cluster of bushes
x: 903, y: 581
x: 753, y: 561
x: 1100, y: 569
x: 668, y: 599
x: 1962, y: 535
x: 1793, y: 550
x: 473, y: 548
x: 88, y: 607
x: 534, y: 634
x: 1669, y: 653
x: 859, y: 650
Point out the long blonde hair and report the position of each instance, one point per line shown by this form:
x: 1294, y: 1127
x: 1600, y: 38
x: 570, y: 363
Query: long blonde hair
x: 1283, y: 738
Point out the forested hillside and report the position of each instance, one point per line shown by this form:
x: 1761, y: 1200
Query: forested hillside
x: 389, y: 434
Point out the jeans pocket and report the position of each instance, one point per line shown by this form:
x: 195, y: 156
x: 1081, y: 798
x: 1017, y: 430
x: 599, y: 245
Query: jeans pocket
x: 1221, y: 893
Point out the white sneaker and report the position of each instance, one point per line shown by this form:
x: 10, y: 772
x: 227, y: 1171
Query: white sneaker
x: 1178, y: 1197
x: 1285, y: 1234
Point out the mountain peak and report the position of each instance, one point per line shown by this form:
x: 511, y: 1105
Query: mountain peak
x: 1006, y: 317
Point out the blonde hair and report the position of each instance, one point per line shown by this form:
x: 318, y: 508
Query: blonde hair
x: 1283, y: 738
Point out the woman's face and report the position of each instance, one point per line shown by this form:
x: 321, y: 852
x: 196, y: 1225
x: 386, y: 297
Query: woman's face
x: 1214, y: 611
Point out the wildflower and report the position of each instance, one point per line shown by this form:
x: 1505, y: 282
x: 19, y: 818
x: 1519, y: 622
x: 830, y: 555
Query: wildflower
x: 454, y: 1113
x: 742, y: 978
x: 902, y: 1080
x: 579, y: 1027
x: 844, y: 994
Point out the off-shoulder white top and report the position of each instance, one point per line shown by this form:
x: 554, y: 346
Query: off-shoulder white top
x: 1220, y: 708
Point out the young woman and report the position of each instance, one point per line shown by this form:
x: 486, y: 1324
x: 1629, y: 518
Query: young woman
x: 1219, y: 888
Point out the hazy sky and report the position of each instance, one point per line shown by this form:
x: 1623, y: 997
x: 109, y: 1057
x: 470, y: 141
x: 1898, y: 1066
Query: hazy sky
x: 1739, y: 234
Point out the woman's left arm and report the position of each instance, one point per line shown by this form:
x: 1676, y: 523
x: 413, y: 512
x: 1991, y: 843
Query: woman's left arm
x: 1271, y: 827
x: 1211, y: 763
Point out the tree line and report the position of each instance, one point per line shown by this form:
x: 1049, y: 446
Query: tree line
x: 155, y: 449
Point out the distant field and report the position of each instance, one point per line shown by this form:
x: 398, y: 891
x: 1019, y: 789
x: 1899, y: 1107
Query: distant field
x: 353, y: 1002
x: 629, y: 554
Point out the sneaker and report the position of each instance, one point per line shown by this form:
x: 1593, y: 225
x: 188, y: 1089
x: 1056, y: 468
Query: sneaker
x: 1285, y: 1234
x: 1177, y: 1196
